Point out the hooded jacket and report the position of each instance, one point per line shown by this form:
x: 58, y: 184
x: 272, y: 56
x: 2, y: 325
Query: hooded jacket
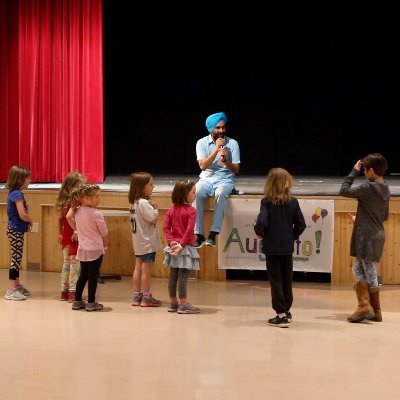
x: 368, y: 235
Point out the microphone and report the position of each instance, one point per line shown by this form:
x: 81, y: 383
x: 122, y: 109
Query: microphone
x: 223, y: 159
x: 221, y: 136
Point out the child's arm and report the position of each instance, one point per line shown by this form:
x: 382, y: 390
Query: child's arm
x: 105, y: 242
x: 189, y: 227
x: 22, y: 213
x: 262, y: 220
x: 155, y: 206
x: 149, y: 210
x: 60, y: 228
x: 71, y: 218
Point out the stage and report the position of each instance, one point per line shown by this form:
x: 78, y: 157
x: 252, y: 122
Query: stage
x: 249, y: 185
x: 43, y: 253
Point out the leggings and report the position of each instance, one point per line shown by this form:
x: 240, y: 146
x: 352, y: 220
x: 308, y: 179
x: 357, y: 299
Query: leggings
x: 178, y: 277
x: 365, y: 271
x: 89, y: 273
x: 70, y: 271
x: 17, y: 247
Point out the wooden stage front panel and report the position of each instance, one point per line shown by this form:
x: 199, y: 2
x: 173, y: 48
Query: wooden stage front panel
x: 42, y: 251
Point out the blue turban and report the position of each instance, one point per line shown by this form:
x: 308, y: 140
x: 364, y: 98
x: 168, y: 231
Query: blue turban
x: 213, y: 119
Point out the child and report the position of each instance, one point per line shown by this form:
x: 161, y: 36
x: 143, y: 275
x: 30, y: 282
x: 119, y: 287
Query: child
x: 145, y: 237
x: 92, y: 232
x: 67, y: 238
x: 368, y: 236
x: 19, y: 222
x: 180, y: 254
x: 279, y: 223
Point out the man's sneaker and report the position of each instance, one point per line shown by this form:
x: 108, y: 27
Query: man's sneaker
x: 200, y: 242
x: 279, y: 322
x: 188, y: 309
x: 150, y: 301
x: 289, y: 316
x: 64, y: 295
x: 94, y: 306
x: 78, y: 305
x: 210, y: 242
x: 173, y: 307
x: 23, y: 290
x: 137, y: 299
x: 14, y: 294
x: 71, y: 297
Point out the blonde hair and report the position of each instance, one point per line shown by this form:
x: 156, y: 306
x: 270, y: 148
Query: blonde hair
x: 86, y: 189
x: 73, y: 180
x: 16, y: 177
x: 138, y: 181
x: 278, y: 186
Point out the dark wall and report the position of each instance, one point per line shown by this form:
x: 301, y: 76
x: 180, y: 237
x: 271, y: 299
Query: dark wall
x: 309, y: 94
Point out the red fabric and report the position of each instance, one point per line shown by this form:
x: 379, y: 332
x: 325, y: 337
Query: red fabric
x: 51, y: 88
x: 66, y: 234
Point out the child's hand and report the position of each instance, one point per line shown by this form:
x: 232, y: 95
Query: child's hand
x: 358, y: 165
x: 175, y: 247
x: 352, y: 216
x: 74, y: 237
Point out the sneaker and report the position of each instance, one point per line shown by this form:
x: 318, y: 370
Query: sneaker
x: 279, y: 322
x: 78, y: 305
x: 150, y: 301
x: 23, y: 290
x: 289, y: 316
x: 14, y: 294
x: 137, y: 299
x: 200, y: 242
x: 188, y: 309
x: 210, y: 242
x: 64, y: 295
x: 71, y: 297
x: 94, y: 306
x: 173, y: 307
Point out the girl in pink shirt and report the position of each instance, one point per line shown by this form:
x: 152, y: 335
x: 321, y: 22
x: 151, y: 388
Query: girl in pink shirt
x: 88, y: 222
x: 180, y: 254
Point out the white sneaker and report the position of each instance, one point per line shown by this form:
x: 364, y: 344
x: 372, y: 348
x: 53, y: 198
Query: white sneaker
x: 23, y: 290
x: 14, y: 294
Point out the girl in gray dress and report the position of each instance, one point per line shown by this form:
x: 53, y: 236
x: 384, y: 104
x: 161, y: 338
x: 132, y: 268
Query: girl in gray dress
x: 368, y: 235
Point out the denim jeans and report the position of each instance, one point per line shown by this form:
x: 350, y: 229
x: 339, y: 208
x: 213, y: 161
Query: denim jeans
x: 221, y: 191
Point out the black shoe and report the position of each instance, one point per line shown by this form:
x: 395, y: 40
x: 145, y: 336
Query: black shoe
x: 289, y: 316
x: 210, y: 242
x: 200, y: 242
x: 279, y: 322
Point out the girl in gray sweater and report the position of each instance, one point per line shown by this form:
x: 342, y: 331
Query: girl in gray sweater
x: 368, y: 235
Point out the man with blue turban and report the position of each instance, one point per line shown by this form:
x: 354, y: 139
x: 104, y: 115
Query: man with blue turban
x: 219, y: 159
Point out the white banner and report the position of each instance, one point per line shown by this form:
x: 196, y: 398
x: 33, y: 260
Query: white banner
x: 239, y: 247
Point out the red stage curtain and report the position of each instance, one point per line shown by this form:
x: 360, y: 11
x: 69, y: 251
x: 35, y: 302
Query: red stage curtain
x: 51, y: 88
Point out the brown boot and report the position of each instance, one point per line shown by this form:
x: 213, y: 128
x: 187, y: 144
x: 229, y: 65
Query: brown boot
x: 364, y: 310
x: 374, y: 297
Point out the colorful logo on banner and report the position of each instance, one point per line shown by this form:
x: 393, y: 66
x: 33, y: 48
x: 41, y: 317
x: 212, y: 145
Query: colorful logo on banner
x: 319, y: 214
x: 240, y: 248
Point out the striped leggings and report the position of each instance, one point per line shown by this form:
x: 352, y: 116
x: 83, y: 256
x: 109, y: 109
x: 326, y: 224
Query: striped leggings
x: 17, y: 247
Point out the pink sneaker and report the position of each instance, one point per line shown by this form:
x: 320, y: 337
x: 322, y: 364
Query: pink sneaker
x: 71, y: 297
x: 150, y: 301
x: 137, y: 299
x: 64, y: 295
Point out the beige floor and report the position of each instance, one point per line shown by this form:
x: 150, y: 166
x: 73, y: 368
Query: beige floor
x: 227, y: 352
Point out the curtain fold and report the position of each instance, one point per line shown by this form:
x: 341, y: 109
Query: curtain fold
x: 59, y: 76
